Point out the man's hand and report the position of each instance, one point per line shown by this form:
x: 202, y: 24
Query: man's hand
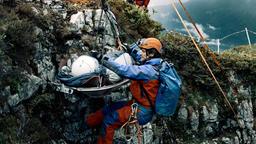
x: 119, y: 44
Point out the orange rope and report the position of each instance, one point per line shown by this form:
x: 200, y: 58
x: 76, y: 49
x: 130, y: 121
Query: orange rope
x: 204, y: 60
x: 234, y: 89
x: 201, y: 36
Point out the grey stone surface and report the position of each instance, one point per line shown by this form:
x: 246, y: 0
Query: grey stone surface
x: 183, y: 114
x: 26, y: 90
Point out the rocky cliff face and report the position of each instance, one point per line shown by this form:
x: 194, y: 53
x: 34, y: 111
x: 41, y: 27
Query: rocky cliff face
x: 36, y: 38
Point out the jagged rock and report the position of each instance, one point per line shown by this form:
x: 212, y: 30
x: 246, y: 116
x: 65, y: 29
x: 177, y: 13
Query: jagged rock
x: 100, y: 18
x: 78, y: 20
x: 148, y: 133
x: 233, y: 78
x: 183, y: 114
x: 45, y: 12
x: 22, y: 115
x: 245, y: 114
x: 48, y: 2
x: 213, y: 113
x: 244, y: 91
x: 209, y: 130
x: 36, y: 12
x: 194, y: 120
x: 110, y: 40
x: 245, y: 136
x: 211, y: 142
x: 61, y: 141
x: 205, y: 114
x: 26, y: 90
x: 60, y: 9
x: 77, y: 46
x: 4, y: 110
x: 253, y: 137
x: 238, y: 133
x: 105, y: 21
x: 6, y: 92
x: 226, y: 140
x: 236, y: 140
x: 44, y: 65
x: 89, y: 41
x: 71, y: 97
x: 89, y: 15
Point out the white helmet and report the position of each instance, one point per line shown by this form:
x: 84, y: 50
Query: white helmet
x: 84, y: 64
x: 124, y: 59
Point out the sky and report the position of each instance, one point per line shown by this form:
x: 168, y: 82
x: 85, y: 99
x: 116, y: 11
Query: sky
x: 162, y: 2
x: 215, y: 19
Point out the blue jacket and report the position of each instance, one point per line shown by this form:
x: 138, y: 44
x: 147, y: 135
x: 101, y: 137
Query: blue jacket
x: 144, y: 72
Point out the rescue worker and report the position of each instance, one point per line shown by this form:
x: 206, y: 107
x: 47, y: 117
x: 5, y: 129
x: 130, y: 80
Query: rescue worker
x: 142, y: 3
x: 144, y: 87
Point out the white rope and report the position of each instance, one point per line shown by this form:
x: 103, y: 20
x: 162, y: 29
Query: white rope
x: 203, y: 58
x: 231, y: 34
x: 252, y: 32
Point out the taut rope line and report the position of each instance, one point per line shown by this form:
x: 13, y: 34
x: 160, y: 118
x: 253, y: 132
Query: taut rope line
x: 204, y: 60
x: 200, y: 34
x: 234, y: 89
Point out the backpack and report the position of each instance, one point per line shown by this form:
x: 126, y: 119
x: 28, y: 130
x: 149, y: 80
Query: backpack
x: 169, y: 90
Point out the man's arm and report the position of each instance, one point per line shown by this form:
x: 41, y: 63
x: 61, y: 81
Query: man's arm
x: 143, y: 72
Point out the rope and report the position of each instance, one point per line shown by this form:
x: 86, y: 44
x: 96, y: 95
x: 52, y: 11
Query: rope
x: 231, y: 34
x: 234, y: 89
x: 99, y: 24
x: 132, y: 121
x: 252, y: 32
x: 204, y: 60
x: 201, y: 36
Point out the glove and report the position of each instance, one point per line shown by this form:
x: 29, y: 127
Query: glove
x: 96, y: 55
x: 127, y: 48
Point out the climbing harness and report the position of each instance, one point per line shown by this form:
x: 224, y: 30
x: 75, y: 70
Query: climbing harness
x: 203, y: 58
x: 132, y: 127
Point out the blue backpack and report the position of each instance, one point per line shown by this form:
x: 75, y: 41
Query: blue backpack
x: 169, y: 90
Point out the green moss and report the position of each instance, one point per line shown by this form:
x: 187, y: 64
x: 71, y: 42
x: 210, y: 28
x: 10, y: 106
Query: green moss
x: 21, y: 36
x: 25, y: 10
x: 181, y: 51
x: 8, y: 129
x: 35, y: 132
x: 134, y: 22
x: 44, y: 101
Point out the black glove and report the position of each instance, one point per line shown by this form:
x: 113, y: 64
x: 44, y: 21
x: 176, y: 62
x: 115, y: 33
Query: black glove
x: 127, y: 48
x: 96, y: 55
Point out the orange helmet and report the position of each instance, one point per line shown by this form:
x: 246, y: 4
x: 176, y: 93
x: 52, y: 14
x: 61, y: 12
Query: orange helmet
x: 150, y: 43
